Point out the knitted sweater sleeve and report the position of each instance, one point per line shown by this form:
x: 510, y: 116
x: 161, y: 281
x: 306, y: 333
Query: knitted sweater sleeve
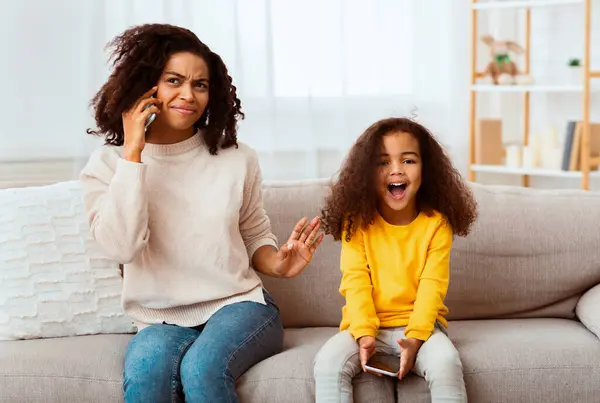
x: 255, y: 225
x: 114, y: 195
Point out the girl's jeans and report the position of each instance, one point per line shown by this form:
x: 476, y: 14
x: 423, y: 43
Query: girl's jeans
x: 167, y: 363
x: 437, y: 361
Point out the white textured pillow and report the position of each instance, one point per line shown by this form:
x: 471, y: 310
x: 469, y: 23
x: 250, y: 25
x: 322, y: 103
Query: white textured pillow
x: 54, y: 279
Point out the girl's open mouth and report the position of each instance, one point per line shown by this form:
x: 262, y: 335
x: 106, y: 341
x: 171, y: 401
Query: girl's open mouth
x: 397, y: 190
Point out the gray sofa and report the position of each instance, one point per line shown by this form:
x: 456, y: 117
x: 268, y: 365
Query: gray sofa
x: 524, y: 307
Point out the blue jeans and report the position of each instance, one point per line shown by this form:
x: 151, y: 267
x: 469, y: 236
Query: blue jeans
x: 167, y: 363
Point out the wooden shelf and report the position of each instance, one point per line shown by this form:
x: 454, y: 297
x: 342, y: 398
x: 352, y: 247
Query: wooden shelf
x: 526, y: 88
x: 553, y: 173
x: 584, y: 90
x: 523, y: 4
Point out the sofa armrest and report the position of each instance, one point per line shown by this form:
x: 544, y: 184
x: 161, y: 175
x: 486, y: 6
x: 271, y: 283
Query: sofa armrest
x: 587, y: 309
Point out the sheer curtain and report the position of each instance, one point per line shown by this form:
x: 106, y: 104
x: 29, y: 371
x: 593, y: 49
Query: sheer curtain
x: 311, y: 74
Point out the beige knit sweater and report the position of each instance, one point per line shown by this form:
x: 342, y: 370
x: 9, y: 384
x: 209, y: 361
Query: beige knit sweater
x: 184, y: 223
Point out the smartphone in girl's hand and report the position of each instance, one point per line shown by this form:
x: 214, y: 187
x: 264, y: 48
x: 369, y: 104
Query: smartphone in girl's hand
x: 384, y: 364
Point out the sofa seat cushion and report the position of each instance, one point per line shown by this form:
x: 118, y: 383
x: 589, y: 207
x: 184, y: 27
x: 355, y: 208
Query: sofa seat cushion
x: 528, y: 360
x: 89, y: 368
x: 288, y: 376
x: 511, y: 360
x: 68, y: 369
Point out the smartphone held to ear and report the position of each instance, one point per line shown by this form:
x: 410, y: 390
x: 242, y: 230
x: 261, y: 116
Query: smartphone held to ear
x: 384, y: 364
x: 150, y: 117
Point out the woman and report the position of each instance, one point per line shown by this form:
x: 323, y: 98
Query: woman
x: 180, y: 205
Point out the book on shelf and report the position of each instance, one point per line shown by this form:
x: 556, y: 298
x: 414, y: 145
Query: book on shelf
x: 572, y: 148
x: 488, y: 142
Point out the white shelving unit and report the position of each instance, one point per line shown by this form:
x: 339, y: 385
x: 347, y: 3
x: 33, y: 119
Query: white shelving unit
x: 494, y: 4
x: 527, y: 88
x: 499, y: 169
x: 587, y: 161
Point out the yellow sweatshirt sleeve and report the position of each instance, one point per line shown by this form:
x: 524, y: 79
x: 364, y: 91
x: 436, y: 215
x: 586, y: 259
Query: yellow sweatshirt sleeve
x: 433, y: 285
x: 357, y: 288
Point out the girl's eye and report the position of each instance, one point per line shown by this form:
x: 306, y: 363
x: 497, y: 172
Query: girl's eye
x: 409, y: 161
x: 201, y: 85
x: 382, y: 163
x: 173, y: 80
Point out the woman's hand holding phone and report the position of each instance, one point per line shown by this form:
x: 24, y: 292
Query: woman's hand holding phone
x: 134, y: 121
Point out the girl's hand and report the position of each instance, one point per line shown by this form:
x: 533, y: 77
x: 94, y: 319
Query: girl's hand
x: 408, y: 355
x: 366, y: 346
x: 295, y: 255
x: 133, y: 124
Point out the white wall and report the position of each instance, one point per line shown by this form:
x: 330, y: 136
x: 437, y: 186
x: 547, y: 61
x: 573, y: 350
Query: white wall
x: 556, y: 36
x: 307, y: 94
x: 52, y: 69
x: 304, y: 107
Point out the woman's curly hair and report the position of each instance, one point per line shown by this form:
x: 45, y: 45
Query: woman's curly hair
x: 139, y: 56
x: 353, y: 197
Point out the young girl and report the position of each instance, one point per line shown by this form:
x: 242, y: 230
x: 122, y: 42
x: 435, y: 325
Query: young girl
x: 179, y: 202
x: 396, y: 206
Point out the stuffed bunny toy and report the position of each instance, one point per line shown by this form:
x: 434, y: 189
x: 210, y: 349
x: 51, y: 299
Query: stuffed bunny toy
x: 502, y: 69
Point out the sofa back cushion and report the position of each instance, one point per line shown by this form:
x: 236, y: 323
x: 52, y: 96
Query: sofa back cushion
x: 312, y: 298
x: 531, y: 253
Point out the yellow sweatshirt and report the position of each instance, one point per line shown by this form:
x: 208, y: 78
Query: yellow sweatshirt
x: 396, y: 276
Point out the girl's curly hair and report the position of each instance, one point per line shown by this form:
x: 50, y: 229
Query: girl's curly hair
x: 353, y: 197
x: 140, y: 54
